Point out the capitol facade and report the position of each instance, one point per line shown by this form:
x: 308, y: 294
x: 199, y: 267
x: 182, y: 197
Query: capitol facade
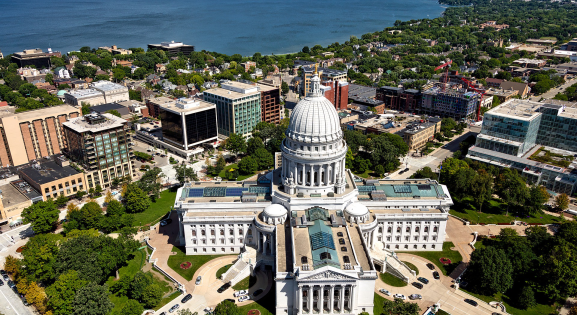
x: 323, y: 233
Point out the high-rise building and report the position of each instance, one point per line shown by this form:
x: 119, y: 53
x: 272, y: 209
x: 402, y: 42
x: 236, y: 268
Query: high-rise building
x: 269, y: 103
x: 33, y: 134
x: 101, y: 144
x: 187, y: 123
x: 238, y: 107
x: 538, y: 139
x: 335, y: 81
x: 172, y: 47
x: 455, y: 103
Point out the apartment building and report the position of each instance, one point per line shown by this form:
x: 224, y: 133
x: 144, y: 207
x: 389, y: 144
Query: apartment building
x: 238, y: 107
x: 270, y: 106
x: 418, y: 134
x: 101, y: 144
x: 172, y: 47
x: 455, y: 103
x: 397, y: 98
x: 518, y: 133
x: 53, y: 177
x: 246, y: 65
x: 34, y: 134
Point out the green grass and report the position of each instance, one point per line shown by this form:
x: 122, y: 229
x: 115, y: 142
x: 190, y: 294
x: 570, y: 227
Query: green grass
x: 134, y: 264
x: 157, y: 209
x: 539, y: 309
x: 245, y: 283
x: 441, y: 312
x: 413, y: 267
x: 494, y: 212
x: 167, y: 300
x: 174, y: 262
x: 378, y: 304
x: 222, y: 270
x: 240, y: 176
x: 434, y: 257
x: 266, y: 305
x: 392, y: 280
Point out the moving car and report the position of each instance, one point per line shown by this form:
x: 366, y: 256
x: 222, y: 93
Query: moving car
x: 423, y: 280
x: 223, y: 287
x: 399, y: 296
x: 431, y: 266
x: 243, y: 298
x: 240, y: 293
x: 386, y: 292
x: 198, y: 279
x: 186, y: 298
x: 415, y: 297
x: 474, y: 303
x: 436, y: 275
x: 417, y: 285
x: 174, y: 308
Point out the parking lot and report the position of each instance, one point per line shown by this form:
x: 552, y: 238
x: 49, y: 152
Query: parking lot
x: 10, y: 303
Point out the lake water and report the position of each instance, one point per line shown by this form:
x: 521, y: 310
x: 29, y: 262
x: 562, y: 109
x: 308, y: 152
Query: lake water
x: 225, y: 26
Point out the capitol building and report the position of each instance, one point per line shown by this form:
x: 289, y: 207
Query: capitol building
x: 324, y: 233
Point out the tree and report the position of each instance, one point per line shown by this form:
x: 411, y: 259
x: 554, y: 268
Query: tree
x: 49, y: 78
x: 118, y: 74
x: 511, y: 187
x: 85, y: 108
x: 380, y: 170
x: 98, y: 190
x: 150, y: 182
x: 306, y: 49
x: 88, y: 217
x: 248, y: 165
x: 80, y: 194
x: 184, y: 173
x: 113, y: 112
x: 92, y: 299
x: 102, y: 77
x: 132, y: 307
x: 284, y: 88
x: 235, y: 144
x: 425, y: 172
x: 40, y: 256
x: 151, y: 295
x: 490, y: 270
x: 254, y: 144
x: 482, y: 188
x: 526, y: 298
x: 558, y: 277
x: 61, y: 293
x: 42, y: 215
x: 263, y: 158
x: 108, y: 197
x: 399, y: 307
x: 36, y: 295
x: 226, y: 307
x: 61, y: 201
x: 562, y: 202
x: 12, y: 264
x: 135, y: 200
x: 139, y: 284
x: 538, y: 195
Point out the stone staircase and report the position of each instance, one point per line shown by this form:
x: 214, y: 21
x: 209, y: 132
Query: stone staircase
x: 392, y: 264
x: 234, y: 271
x: 242, y: 266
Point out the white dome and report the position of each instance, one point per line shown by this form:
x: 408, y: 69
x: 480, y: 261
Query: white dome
x: 275, y: 211
x: 356, y: 209
x: 314, y: 119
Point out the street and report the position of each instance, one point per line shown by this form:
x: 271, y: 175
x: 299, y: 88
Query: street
x: 552, y: 92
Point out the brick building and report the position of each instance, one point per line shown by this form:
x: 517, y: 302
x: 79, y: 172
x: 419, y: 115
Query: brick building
x: 269, y: 103
x: 338, y: 93
x: 400, y: 99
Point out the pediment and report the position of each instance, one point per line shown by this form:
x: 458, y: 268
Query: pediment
x: 327, y: 275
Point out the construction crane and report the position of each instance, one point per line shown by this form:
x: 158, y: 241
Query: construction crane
x: 446, y: 74
x: 482, y: 92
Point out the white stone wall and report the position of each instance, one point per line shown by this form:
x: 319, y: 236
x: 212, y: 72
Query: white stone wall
x: 222, y: 238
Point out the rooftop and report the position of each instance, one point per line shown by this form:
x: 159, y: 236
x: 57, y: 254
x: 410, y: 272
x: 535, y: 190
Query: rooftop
x: 396, y: 189
x: 226, y: 191
x: 51, y: 111
x: 228, y: 94
x: 110, y: 106
x: 325, y: 71
x: 187, y: 105
x: 107, y: 86
x: 95, y: 122
x: 82, y: 93
x: 46, y: 171
x: 517, y: 109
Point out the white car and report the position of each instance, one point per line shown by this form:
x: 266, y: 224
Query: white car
x: 386, y: 292
x: 208, y: 309
x: 243, y: 298
x: 399, y: 296
x: 415, y: 297
x: 240, y: 293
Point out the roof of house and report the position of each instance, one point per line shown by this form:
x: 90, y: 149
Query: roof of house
x: 507, y: 85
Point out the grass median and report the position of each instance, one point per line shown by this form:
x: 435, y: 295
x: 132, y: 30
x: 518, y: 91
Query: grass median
x: 434, y: 257
x: 196, y: 261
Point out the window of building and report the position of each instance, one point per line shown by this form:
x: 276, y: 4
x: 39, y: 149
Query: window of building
x: 389, y: 229
x: 346, y: 259
x: 221, y: 232
x: 406, y: 238
x: 340, y: 234
x: 212, y: 232
x: 203, y: 232
x: 424, y: 246
x: 304, y: 260
x: 416, y: 238
x: 406, y: 246
x: 435, y: 229
x: 414, y: 246
x: 388, y: 238
x: 426, y: 229
x: 341, y: 241
x: 417, y: 229
x: 213, y: 241
x: 325, y: 255
x: 343, y: 249
x: 193, y: 232
x: 408, y: 229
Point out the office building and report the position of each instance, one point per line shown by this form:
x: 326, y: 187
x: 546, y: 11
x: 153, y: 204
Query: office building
x: 417, y: 135
x: 101, y: 144
x: 100, y: 92
x: 32, y: 57
x: 328, y: 77
x: 16, y: 196
x: 397, y: 98
x: 337, y: 92
x: 538, y: 139
x: 113, y: 92
x: 53, y: 177
x: 455, y: 103
x: 238, y: 107
x: 270, y: 106
x: 33, y: 134
x: 172, y: 48
x: 325, y: 234
x: 188, y: 123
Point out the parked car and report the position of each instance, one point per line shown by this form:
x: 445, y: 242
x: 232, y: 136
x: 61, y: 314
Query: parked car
x: 436, y: 275
x: 243, y: 298
x: 186, y: 298
x: 3, y: 272
x: 198, y: 279
x: 385, y: 292
x: 415, y: 297
x: 223, y: 287
x: 431, y: 266
x: 25, y: 302
x: 474, y: 303
x: 174, y: 308
x: 165, y: 222
x: 1, y: 283
x: 423, y: 280
x: 6, y: 278
x: 11, y: 284
x: 417, y: 285
x: 240, y: 293
x: 399, y: 296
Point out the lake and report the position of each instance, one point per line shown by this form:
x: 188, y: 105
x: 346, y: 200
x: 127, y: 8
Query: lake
x: 225, y: 26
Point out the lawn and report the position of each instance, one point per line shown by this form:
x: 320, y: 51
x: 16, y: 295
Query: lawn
x: 266, y: 305
x: 392, y: 280
x: 441, y: 312
x: 157, y: 209
x: 413, y: 267
x: 167, y: 299
x: 240, y: 176
x: 245, y: 283
x: 495, y: 211
x: 378, y: 304
x: 222, y: 270
x: 174, y: 262
x: 540, y: 309
x: 434, y: 257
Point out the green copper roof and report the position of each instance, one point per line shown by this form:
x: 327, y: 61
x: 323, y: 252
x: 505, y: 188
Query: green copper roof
x: 322, y: 243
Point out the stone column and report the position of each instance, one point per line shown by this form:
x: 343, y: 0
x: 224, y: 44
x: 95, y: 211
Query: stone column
x: 321, y: 299
x: 332, y: 299
x: 258, y: 245
x: 300, y: 299
x: 310, y: 298
x: 303, y: 178
x: 353, y: 299
x: 342, y: 300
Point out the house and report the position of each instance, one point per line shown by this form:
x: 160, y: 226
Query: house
x: 153, y: 79
x: 62, y: 73
x: 522, y: 88
x: 160, y: 68
x: 495, y: 83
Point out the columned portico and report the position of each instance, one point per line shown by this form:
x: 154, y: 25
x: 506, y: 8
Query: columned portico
x: 325, y: 298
